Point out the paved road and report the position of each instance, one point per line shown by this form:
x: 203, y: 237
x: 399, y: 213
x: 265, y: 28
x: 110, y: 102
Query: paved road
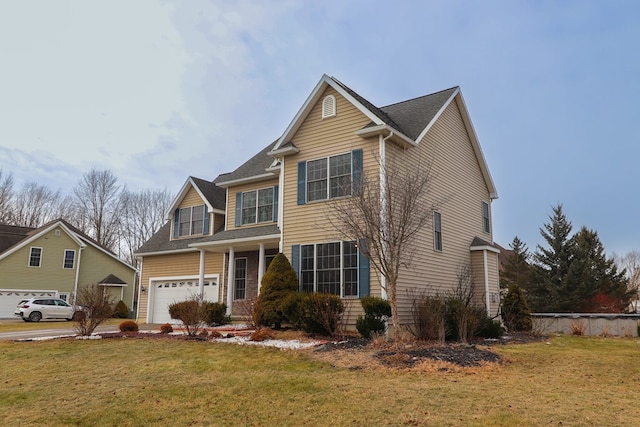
x: 48, y: 331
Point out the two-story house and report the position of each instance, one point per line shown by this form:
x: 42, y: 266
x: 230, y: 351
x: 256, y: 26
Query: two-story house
x: 220, y: 236
x: 55, y: 260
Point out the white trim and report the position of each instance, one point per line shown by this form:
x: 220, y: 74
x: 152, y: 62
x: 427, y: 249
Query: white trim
x: 231, y: 272
x: 485, y: 248
x: 36, y: 236
x: 329, y: 107
x: 113, y: 285
x: 487, y: 297
x: 64, y: 259
x: 174, y: 251
x: 312, y: 99
x: 246, y: 277
x: 77, y: 278
x: 181, y: 194
x: 226, y: 210
x: 39, y: 258
x: 247, y: 180
x: 377, y: 130
x: 235, y: 241
x: 257, y: 191
x: 284, y: 151
x: 150, y: 289
x: 281, y: 206
x: 261, y: 264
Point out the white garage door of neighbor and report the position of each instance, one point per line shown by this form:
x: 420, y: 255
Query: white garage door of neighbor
x: 9, y: 299
x: 168, y: 292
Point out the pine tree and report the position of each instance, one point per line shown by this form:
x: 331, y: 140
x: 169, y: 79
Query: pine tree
x: 278, y: 282
x: 548, y: 289
x: 517, y: 270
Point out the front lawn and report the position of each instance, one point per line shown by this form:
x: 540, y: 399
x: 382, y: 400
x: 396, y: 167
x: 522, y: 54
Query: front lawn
x: 133, y: 382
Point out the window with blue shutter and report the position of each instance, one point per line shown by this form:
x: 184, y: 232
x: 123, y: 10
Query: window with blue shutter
x: 302, y: 183
x: 275, y: 203
x: 330, y: 177
x: 176, y: 223
x: 256, y: 206
x: 238, y: 209
x: 295, y: 259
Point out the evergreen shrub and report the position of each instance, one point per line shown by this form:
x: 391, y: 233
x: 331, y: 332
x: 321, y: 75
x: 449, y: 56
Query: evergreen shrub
x: 121, y: 311
x: 376, y: 311
x: 278, y: 282
x: 214, y: 313
x: 314, y: 313
x: 515, y: 310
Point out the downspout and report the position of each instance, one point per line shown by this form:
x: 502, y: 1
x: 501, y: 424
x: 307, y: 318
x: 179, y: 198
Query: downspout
x: 75, y: 285
x: 140, y: 261
x: 486, y: 282
x: 281, y: 205
x: 383, y: 201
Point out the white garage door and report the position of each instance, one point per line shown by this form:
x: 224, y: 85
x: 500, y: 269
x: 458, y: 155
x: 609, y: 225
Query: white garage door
x: 168, y: 292
x: 9, y: 299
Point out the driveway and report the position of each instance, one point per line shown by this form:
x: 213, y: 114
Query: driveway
x: 45, y: 329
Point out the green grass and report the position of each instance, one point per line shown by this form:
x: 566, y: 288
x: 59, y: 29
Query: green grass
x: 131, y: 382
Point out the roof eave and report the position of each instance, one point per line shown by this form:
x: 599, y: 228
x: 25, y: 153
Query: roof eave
x: 386, y: 130
x: 284, y: 151
x: 183, y: 192
x: 246, y: 180
x: 168, y: 252
x: 231, y: 242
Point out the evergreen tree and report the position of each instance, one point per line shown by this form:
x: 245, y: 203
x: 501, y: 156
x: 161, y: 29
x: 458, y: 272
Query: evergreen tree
x: 515, y: 311
x: 548, y: 288
x: 278, y: 282
x: 517, y: 270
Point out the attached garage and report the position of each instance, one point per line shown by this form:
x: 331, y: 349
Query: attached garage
x: 9, y: 299
x: 165, y: 292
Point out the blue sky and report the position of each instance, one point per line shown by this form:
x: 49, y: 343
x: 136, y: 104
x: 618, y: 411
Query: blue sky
x: 160, y: 90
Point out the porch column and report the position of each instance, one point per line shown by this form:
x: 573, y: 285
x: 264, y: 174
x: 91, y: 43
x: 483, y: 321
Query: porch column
x: 230, y: 278
x: 201, y: 274
x: 487, y: 297
x: 260, y: 266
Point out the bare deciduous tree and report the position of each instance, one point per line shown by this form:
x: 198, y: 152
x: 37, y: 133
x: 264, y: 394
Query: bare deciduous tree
x: 143, y: 214
x: 631, y: 263
x: 96, y: 308
x: 6, y: 197
x: 385, y: 216
x: 98, y: 204
x: 35, y: 205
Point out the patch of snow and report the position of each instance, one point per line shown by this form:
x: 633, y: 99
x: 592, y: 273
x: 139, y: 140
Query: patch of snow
x: 281, y: 344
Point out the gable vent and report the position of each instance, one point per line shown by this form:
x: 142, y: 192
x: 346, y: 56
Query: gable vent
x: 328, y: 106
x: 56, y: 233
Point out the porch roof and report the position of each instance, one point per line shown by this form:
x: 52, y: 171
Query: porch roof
x: 241, y: 238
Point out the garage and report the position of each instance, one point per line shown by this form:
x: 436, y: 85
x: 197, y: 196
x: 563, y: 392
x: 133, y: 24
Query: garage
x: 9, y: 299
x: 166, y: 292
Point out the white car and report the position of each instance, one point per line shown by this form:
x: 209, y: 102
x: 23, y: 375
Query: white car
x: 35, y: 309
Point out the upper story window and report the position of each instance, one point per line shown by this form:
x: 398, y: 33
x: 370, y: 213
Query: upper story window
x: 437, y: 231
x: 329, y: 177
x: 328, y: 106
x: 191, y: 221
x: 486, y: 221
x: 35, y: 257
x: 69, y: 258
x: 257, y: 206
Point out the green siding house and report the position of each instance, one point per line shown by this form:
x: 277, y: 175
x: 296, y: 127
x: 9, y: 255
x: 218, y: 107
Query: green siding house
x: 54, y: 260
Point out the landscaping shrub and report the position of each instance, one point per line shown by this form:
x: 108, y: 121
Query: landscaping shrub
x: 166, y: 328
x: 121, y: 311
x: 262, y: 334
x: 278, y: 282
x: 96, y: 308
x: 188, y: 313
x: 429, y: 318
x: 214, y: 313
x: 515, y: 310
x: 490, y: 328
x: 128, y: 326
x: 314, y: 313
x: 376, y: 311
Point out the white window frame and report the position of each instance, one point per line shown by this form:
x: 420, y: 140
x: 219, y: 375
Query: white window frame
x: 31, y: 256
x: 328, y: 177
x: 235, y: 277
x: 73, y: 260
x: 342, y: 268
x: 257, y: 206
x: 486, y: 218
x: 191, y: 221
x: 437, y: 231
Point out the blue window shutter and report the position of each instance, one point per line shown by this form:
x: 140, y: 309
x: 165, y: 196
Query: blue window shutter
x: 238, y: 208
x: 205, y: 226
x: 356, y: 170
x: 364, y: 268
x: 302, y: 183
x: 176, y: 223
x: 275, y: 203
x: 295, y: 261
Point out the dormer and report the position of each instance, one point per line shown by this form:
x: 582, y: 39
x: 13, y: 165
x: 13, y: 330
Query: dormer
x: 197, y: 211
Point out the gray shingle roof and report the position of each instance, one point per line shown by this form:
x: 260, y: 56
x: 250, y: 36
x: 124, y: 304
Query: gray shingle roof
x: 11, y: 235
x: 256, y: 165
x: 160, y: 242
x: 215, y: 195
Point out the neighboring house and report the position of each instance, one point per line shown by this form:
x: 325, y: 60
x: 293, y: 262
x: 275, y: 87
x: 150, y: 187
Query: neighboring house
x: 278, y: 202
x: 54, y: 260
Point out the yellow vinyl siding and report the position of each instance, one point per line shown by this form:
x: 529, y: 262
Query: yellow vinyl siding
x: 171, y: 265
x: 231, y: 203
x: 192, y: 198
x: 15, y: 272
x: 317, y: 138
x: 458, y: 185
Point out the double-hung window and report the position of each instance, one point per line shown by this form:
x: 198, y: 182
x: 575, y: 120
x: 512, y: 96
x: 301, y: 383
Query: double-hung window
x: 190, y: 221
x: 256, y: 206
x: 240, y: 279
x: 35, y: 257
x: 330, y: 177
x: 330, y: 268
x: 486, y: 222
x: 437, y: 231
x: 69, y: 258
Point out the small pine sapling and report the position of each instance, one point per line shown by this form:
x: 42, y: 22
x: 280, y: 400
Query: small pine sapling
x: 278, y: 282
